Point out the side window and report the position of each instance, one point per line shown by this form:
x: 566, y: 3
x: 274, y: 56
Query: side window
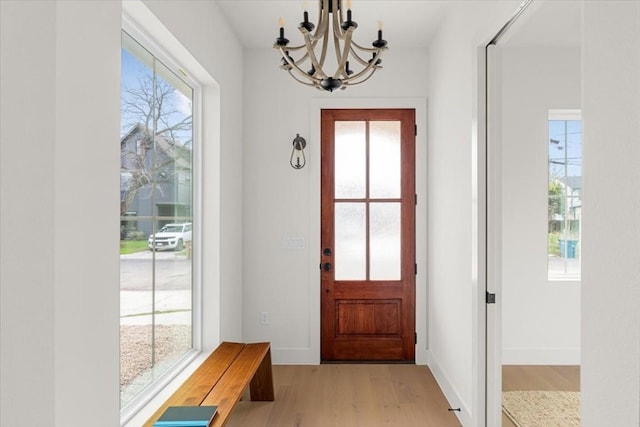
x: 156, y: 283
x: 564, y: 195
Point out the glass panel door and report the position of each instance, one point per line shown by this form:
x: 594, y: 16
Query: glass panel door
x: 368, y: 235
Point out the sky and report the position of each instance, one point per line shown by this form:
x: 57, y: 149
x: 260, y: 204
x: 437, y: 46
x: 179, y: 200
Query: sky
x: 136, y: 69
x: 569, y: 144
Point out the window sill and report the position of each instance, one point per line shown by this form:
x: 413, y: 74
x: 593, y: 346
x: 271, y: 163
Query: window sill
x: 137, y: 413
x: 564, y: 280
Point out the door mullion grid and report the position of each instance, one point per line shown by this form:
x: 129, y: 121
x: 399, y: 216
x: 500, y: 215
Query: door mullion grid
x: 366, y: 204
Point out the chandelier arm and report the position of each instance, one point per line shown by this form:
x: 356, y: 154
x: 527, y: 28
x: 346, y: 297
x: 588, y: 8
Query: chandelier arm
x: 300, y: 47
x: 377, y: 53
x: 339, y: 11
x: 290, y: 48
x: 358, y: 58
x: 319, y: 34
x: 371, y: 67
x: 323, y: 54
x: 302, y: 58
x: 294, y: 49
x: 317, y: 66
x: 336, y: 49
x: 339, y: 35
x: 295, y: 66
x: 337, y: 27
x: 369, y: 49
x: 354, y: 83
x: 340, y: 70
x: 295, y: 77
x: 323, y: 17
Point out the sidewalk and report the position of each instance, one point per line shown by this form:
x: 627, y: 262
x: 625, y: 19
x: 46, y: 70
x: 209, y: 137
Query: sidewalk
x: 135, y: 307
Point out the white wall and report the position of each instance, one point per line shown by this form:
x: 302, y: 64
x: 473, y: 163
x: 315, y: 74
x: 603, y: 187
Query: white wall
x: 610, y: 375
x: 60, y: 82
x: 540, y: 319
x: 280, y: 202
x: 202, y: 29
x: 59, y: 318
x: 27, y: 309
x: 455, y: 323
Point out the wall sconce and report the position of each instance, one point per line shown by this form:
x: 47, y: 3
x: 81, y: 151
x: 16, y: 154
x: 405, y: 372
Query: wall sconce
x: 298, y: 160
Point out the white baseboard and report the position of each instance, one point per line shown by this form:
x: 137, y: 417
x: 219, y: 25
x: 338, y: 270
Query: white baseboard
x: 541, y: 356
x: 450, y: 393
x: 294, y: 356
x: 308, y: 356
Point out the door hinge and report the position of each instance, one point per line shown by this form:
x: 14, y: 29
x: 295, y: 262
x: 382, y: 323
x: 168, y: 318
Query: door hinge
x: 491, y: 298
x: 415, y: 128
x: 416, y: 337
x: 415, y: 269
x: 416, y: 199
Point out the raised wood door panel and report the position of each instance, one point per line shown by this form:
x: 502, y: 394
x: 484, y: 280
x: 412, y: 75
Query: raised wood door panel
x: 368, y: 235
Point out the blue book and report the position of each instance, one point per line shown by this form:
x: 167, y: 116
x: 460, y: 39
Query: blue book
x: 186, y: 416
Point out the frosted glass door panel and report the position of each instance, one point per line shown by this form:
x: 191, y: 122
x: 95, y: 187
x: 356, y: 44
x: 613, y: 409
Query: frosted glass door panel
x: 350, y: 160
x: 384, y: 241
x: 384, y: 159
x: 350, y: 241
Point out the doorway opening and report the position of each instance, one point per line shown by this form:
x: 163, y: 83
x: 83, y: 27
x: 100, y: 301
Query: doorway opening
x: 534, y: 189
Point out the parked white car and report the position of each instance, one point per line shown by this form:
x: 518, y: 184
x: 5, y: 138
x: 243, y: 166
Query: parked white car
x: 171, y: 236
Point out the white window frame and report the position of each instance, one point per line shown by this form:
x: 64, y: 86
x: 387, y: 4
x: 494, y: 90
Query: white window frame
x: 562, y: 115
x: 164, y: 55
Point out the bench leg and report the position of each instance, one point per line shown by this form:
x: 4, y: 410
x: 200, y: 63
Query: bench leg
x: 262, y: 382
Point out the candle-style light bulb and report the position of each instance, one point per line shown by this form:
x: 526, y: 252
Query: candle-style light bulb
x: 281, y: 41
x: 349, y: 22
x: 308, y: 26
x: 379, y: 43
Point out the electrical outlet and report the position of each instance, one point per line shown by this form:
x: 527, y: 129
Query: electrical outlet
x: 264, y: 318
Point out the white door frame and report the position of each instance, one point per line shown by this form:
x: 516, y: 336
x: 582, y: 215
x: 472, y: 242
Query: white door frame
x: 493, y: 235
x: 419, y: 104
x: 489, y: 216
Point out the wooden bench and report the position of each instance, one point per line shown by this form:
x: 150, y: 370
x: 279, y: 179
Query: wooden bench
x: 222, y: 379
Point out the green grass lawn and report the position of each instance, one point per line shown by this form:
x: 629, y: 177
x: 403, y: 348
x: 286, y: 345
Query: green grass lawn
x: 132, y: 246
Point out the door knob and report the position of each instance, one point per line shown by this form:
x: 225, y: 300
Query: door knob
x: 327, y: 266
x: 326, y: 252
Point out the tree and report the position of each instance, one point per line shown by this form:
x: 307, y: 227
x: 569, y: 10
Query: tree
x: 157, y: 136
x: 556, y: 200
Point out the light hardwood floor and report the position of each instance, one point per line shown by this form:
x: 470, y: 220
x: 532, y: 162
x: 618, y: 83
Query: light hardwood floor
x: 349, y: 395
x: 530, y: 377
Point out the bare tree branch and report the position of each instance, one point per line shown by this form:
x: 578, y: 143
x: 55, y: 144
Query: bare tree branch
x: 151, y: 105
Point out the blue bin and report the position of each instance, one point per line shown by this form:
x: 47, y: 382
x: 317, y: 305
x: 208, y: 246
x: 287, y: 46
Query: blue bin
x: 568, y: 248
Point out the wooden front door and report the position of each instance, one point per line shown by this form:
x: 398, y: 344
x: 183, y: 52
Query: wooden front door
x: 368, y: 235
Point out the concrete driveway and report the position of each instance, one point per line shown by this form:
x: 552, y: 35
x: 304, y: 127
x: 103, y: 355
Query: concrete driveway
x: 172, y: 303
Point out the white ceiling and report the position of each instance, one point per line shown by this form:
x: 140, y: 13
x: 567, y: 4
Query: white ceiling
x: 406, y: 23
x: 547, y: 23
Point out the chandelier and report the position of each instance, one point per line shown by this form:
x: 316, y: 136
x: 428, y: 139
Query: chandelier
x: 347, y: 51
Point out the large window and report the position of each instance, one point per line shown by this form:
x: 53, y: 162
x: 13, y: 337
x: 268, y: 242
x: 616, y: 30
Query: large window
x: 565, y: 195
x: 156, y: 220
